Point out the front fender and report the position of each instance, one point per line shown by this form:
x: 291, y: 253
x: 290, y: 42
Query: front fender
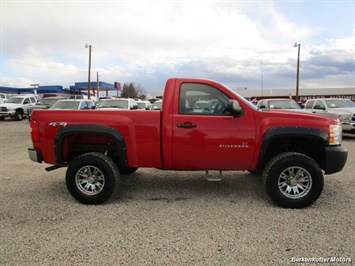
x: 293, y: 134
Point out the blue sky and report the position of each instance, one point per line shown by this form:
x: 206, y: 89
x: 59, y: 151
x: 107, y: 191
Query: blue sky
x: 239, y: 43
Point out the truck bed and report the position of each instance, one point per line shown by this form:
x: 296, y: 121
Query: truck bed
x: 141, y: 131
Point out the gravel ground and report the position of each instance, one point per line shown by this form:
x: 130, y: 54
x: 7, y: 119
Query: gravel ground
x: 165, y: 217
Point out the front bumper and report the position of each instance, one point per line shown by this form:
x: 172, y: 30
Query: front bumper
x: 35, y: 155
x: 335, y: 159
x: 6, y: 114
x: 348, y: 126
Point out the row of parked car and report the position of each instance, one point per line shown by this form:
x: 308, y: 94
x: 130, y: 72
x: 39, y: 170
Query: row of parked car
x: 19, y: 106
x: 343, y: 109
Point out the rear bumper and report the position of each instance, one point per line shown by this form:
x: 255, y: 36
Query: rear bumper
x: 35, y: 155
x: 335, y: 159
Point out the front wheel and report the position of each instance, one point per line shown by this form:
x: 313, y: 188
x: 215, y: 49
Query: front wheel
x: 293, y: 180
x: 19, y: 115
x: 91, y: 178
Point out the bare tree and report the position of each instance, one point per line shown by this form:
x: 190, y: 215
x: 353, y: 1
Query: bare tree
x: 131, y: 90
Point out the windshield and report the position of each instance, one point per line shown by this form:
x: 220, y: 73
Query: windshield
x: 141, y: 105
x: 349, y: 103
x: 283, y: 104
x: 120, y: 104
x: 48, y: 102
x: 336, y: 103
x: 241, y: 97
x: 15, y: 100
x: 66, y: 105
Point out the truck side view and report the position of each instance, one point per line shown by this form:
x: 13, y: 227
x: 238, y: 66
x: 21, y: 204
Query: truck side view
x: 291, y: 150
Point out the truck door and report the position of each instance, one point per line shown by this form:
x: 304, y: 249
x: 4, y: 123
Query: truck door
x: 205, y: 136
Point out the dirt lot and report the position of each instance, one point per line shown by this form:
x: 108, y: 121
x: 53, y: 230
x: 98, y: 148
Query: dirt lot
x: 166, y: 218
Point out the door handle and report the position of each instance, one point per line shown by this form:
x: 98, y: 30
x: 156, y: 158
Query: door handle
x: 186, y: 125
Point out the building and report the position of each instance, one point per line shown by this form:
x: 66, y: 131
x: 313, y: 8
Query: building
x: 303, y: 96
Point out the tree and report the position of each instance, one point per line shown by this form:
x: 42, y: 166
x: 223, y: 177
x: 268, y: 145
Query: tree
x: 134, y: 91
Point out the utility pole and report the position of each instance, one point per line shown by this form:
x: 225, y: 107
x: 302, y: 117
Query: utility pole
x: 98, y: 85
x: 298, y: 70
x: 262, y: 78
x: 89, y: 46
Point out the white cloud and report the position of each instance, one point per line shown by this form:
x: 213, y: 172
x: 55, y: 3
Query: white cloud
x: 148, y: 41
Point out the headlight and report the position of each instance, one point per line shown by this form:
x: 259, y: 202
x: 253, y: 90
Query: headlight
x: 344, y: 117
x: 335, y: 134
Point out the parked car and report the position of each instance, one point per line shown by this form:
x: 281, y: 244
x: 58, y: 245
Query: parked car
x: 16, y: 107
x: 143, y: 104
x: 4, y: 97
x: 278, y: 104
x: 156, y: 105
x: 124, y: 104
x: 78, y: 104
x: 334, y: 107
x: 43, y: 103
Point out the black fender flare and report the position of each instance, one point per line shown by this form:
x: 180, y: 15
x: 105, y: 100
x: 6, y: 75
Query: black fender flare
x: 83, y: 129
x: 290, y: 131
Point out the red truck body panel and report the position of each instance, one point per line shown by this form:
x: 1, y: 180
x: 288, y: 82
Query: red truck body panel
x: 217, y: 142
x: 140, y: 130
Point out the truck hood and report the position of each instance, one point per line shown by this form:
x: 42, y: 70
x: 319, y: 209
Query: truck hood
x: 274, y: 118
x: 38, y: 106
x: 343, y: 110
x: 10, y: 105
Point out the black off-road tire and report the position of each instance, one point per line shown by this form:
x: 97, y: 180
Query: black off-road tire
x: 293, y: 180
x: 18, y: 115
x: 91, y: 178
x: 255, y: 172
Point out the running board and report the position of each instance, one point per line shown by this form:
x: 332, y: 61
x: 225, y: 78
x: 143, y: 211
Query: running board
x: 212, y: 177
x: 53, y: 167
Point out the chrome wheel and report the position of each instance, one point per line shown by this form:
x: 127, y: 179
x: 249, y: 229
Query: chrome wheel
x: 90, y: 180
x: 295, y: 182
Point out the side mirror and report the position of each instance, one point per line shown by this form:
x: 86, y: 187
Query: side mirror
x: 262, y: 106
x: 234, y: 108
x: 134, y: 107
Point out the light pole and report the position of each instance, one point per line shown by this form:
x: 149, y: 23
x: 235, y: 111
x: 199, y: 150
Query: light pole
x: 298, y: 69
x: 262, y: 78
x: 89, y: 46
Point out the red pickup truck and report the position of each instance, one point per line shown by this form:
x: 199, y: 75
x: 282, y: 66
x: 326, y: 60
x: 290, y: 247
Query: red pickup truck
x: 203, y: 125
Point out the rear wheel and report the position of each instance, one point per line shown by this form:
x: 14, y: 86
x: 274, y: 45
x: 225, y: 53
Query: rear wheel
x: 293, y: 180
x: 91, y: 178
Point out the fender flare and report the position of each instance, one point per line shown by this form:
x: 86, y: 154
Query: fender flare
x: 82, y: 129
x: 290, y: 131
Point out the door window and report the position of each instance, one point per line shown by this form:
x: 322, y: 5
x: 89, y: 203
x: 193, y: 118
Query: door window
x: 202, y: 99
x: 320, y: 104
x: 309, y: 104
